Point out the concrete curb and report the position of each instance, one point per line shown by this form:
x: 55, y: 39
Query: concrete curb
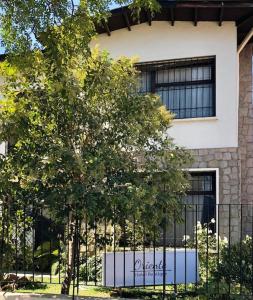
x: 23, y: 296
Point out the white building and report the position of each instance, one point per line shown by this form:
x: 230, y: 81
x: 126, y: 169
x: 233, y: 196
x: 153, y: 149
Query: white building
x: 197, y: 55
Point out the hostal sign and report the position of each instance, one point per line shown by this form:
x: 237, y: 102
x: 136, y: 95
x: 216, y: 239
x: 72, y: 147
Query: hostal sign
x: 149, y: 268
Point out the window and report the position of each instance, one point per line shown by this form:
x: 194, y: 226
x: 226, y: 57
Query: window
x: 202, y: 196
x: 199, y: 205
x: 186, y: 87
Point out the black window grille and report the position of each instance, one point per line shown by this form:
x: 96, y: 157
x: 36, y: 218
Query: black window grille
x: 199, y: 206
x: 202, y: 194
x: 186, y: 86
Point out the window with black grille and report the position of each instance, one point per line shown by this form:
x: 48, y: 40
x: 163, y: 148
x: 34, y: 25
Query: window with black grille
x: 202, y: 196
x: 186, y: 86
x: 198, y: 206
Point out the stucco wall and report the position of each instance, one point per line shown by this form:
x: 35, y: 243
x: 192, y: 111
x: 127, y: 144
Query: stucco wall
x: 162, y: 41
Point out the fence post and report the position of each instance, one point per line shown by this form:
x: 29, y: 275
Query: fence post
x: 229, y: 246
x: 164, y: 256
x: 175, y: 252
x: 252, y: 248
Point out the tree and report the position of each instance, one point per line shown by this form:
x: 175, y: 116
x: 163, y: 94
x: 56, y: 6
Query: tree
x: 23, y: 22
x: 85, y: 143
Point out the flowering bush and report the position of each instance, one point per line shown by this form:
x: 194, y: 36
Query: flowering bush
x: 232, y: 265
x: 206, y: 242
x: 235, y: 265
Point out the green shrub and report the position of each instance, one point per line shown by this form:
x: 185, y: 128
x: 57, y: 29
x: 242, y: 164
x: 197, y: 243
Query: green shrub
x: 16, y: 241
x: 232, y: 265
x: 235, y: 265
x: 206, y: 243
x: 45, y: 255
x: 91, y: 270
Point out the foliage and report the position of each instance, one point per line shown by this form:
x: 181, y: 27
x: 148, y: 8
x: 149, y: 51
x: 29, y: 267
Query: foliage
x: 91, y: 270
x: 83, y: 136
x: 65, y: 25
x: 83, y: 141
x: 206, y: 242
x: 232, y: 265
x: 15, y: 240
x: 80, y: 132
x: 46, y: 255
x: 235, y: 266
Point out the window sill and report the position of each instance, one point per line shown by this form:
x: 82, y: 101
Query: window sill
x: 195, y: 119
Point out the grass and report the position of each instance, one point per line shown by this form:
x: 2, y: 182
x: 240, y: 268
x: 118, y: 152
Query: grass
x: 52, y: 286
x: 55, y: 289
x: 99, y: 292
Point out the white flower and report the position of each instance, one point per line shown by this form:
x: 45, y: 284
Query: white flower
x: 213, y: 221
x: 247, y: 238
x: 199, y: 225
x: 225, y: 240
x: 186, y: 238
x: 210, y: 231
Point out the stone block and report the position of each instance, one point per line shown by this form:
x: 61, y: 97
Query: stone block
x: 249, y: 171
x: 226, y: 192
x: 250, y: 189
x: 233, y: 163
x: 213, y: 164
x: 203, y: 165
x: 203, y: 152
x: 209, y: 157
x: 227, y: 171
x: 218, y: 156
x: 225, y: 178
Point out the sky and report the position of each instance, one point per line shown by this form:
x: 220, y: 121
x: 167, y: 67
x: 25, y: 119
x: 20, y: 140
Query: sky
x: 114, y: 6
x: 2, y: 50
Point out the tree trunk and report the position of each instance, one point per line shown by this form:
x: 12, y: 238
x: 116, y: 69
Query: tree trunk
x: 70, y: 258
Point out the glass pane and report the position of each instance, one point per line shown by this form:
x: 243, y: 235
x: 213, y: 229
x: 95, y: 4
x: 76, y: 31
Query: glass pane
x: 201, y: 183
x: 199, y: 206
x: 183, y: 99
x: 145, y: 82
x: 183, y: 74
x: 201, y: 209
x: 188, y: 101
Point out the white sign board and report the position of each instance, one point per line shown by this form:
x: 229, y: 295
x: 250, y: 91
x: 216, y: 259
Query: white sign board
x: 139, y: 268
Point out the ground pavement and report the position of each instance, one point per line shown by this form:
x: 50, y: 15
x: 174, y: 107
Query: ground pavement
x: 21, y: 296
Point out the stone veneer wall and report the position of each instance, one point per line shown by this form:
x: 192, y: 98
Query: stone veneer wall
x: 227, y: 160
x: 246, y: 124
x: 246, y: 135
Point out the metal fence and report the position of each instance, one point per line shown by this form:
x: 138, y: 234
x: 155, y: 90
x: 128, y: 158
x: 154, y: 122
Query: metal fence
x: 197, y: 252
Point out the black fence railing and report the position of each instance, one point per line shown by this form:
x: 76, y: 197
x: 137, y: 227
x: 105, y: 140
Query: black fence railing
x: 180, y: 256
